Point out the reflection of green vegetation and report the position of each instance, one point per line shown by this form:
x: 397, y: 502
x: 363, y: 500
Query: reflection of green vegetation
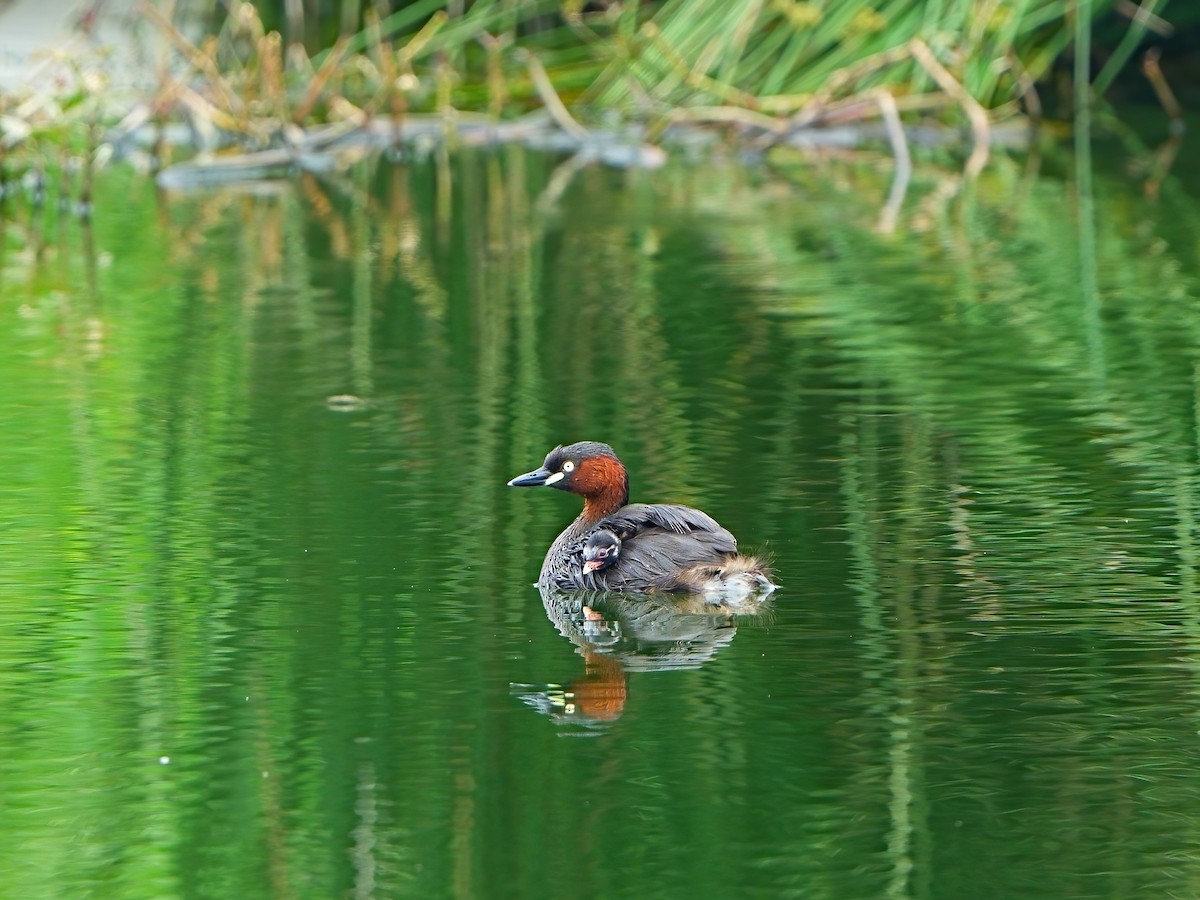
x: 315, y: 614
x: 1009, y: 299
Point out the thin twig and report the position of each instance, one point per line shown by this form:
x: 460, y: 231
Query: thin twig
x: 195, y: 55
x: 313, y: 93
x: 1164, y: 158
x: 204, y: 113
x: 727, y: 114
x: 497, y: 88
x: 820, y: 101
x: 859, y: 107
x: 1162, y: 90
x: 852, y: 110
x: 270, y: 57
x: 417, y: 43
x: 976, y: 114
x: 560, y: 179
x: 1142, y: 19
x: 1143, y: 14
x: 550, y: 99
x: 784, y: 104
x: 895, y: 133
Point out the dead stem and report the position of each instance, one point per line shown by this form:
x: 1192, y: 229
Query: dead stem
x: 1143, y: 14
x: 560, y: 179
x: 200, y: 107
x: 895, y: 132
x: 975, y: 113
x: 392, y: 93
x: 317, y: 85
x: 820, y: 101
x: 1164, y: 158
x: 550, y: 99
x: 497, y: 87
x: 416, y: 44
x: 270, y: 54
x: 197, y: 57
x: 856, y: 108
x: 1162, y: 90
x: 727, y: 114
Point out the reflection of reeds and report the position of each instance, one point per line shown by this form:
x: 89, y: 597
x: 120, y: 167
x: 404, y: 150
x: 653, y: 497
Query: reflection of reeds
x: 772, y: 69
x: 1025, y: 288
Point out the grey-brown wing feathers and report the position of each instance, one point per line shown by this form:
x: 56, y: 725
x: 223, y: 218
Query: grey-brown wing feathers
x: 659, y: 540
x: 638, y: 517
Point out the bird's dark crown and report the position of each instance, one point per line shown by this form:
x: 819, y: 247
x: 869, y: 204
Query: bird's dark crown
x: 577, y: 451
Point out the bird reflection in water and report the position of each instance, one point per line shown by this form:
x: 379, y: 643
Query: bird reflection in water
x: 621, y: 634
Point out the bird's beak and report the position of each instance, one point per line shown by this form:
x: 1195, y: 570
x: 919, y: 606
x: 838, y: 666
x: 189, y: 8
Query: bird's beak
x: 591, y: 565
x: 536, y: 478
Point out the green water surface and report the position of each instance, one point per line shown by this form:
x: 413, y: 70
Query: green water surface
x: 267, y: 623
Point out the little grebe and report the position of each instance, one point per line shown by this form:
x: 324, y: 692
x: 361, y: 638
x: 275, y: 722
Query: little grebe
x: 640, y: 547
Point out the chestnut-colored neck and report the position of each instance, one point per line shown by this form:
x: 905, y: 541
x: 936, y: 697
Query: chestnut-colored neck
x: 604, y: 485
x: 597, y: 506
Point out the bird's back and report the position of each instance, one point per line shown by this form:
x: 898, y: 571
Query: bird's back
x: 660, y: 540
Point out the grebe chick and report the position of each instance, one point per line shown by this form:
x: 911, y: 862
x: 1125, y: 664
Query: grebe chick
x: 653, y: 546
x: 731, y: 582
x: 601, y: 550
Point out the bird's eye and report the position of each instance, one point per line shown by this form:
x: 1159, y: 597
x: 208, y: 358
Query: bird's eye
x: 568, y: 467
